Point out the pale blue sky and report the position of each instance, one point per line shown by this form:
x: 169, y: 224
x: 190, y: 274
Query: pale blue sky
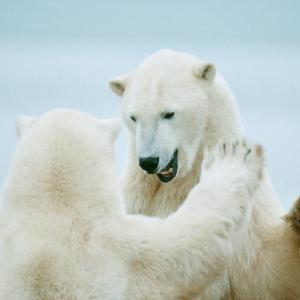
x: 219, y: 21
x: 62, y: 53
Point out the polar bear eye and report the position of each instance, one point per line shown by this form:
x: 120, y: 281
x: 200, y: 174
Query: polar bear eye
x: 168, y: 115
x: 133, y: 118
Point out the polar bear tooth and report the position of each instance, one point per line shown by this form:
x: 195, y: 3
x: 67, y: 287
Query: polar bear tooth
x: 168, y: 172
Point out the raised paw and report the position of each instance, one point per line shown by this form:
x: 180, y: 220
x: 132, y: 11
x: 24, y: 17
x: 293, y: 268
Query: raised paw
x: 240, y: 162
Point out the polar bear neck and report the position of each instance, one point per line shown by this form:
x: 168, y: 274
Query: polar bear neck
x: 51, y: 184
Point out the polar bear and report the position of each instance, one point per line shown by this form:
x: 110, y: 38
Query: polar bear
x: 64, y: 232
x: 176, y: 105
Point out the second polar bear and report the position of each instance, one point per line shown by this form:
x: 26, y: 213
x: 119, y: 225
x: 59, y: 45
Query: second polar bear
x: 176, y: 105
x: 64, y: 233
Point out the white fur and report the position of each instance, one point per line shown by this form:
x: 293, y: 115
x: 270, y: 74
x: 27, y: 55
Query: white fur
x: 64, y: 233
x: 265, y: 263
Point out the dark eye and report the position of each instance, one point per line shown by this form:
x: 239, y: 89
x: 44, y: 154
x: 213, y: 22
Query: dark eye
x: 168, y: 115
x: 133, y: 118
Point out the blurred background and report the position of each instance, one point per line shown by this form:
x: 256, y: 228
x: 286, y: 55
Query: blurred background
x: 61, y: 53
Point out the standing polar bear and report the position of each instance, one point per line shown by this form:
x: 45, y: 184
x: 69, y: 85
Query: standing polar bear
x: 64, y: 233
x: 175, y: 106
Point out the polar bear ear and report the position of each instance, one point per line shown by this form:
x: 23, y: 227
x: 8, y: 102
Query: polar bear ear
x: 112, y: 127
x: 119, y: 84
x: 23, y: 123
x: 206, y: 71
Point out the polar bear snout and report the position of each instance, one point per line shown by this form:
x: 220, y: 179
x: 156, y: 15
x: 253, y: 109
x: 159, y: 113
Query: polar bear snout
x: 149, y: 164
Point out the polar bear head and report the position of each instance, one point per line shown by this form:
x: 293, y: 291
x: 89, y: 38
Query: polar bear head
x: 174, y: 104
x: 65, y: 133
x: 63, y: 151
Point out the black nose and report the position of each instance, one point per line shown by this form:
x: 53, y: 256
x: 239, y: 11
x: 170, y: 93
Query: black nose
x: 149, y: 164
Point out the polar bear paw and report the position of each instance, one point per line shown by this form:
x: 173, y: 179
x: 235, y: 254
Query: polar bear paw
x: 239, y: 162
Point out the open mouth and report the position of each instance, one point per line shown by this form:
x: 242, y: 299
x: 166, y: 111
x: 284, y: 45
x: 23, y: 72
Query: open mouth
x: 170, y: 171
